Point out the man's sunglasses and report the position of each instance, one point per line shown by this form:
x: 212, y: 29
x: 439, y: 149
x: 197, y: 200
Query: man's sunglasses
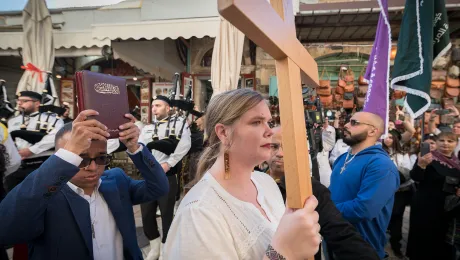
x: 354, y: 122
x: 100, y: 160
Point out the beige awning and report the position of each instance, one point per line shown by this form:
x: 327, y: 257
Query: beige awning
x: 186, y: 28
x: 63, y: 52
x: 158, y: 57
x: 67, y: 39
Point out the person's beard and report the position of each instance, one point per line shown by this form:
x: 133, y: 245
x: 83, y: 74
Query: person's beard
x: 27, y: 111
x: 276, y: 171
x: 161, y: 116
x: 355, y: 139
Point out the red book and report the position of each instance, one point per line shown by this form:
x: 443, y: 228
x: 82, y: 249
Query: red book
x: 107, y: 95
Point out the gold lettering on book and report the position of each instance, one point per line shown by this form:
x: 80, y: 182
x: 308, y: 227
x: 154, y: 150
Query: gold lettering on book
x: 106, y: 88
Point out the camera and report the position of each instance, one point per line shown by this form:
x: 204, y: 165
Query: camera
x: 450, y: 184
x: 314, y: 120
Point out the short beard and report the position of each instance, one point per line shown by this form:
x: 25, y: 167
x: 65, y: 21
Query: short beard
x: 28, y: 112
x: 352, y: 140
x: 276, y: 171
x: 161, y: 117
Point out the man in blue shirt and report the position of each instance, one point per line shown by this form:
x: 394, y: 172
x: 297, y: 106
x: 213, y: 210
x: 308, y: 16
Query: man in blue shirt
x: 364, y: 180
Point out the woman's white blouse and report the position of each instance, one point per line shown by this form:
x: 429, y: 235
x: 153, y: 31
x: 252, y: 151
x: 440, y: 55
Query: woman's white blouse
x: 212, y: 224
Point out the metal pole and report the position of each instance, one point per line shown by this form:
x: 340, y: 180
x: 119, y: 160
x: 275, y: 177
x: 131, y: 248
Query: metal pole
x: 423, y: 129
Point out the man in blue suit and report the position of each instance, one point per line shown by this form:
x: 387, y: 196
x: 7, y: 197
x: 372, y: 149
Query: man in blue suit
x: 70, y: 208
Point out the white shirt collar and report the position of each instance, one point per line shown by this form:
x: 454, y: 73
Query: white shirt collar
x: 79, y: 190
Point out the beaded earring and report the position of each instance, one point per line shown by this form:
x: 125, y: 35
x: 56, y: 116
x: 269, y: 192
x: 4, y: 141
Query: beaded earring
x: 227, y: 166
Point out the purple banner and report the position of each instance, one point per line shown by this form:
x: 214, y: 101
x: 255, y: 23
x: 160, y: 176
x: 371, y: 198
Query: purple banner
x: 378, y: 68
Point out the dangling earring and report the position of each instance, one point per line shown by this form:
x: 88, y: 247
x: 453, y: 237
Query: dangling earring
x: 227, y: 166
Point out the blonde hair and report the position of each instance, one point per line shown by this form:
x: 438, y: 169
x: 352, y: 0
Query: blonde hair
x: 225, y: 108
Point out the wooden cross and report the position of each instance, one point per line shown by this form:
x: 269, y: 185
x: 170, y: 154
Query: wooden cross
x: 273, y: 29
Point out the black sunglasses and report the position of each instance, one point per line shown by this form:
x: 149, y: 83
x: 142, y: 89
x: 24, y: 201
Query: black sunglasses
x: 354, y: 122
x: 100, y: 160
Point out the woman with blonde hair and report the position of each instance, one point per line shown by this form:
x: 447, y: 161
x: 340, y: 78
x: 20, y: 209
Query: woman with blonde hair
x: 233, y: 212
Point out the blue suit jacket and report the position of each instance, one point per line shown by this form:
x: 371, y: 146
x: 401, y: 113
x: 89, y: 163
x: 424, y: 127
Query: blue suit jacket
x: 55, y: 221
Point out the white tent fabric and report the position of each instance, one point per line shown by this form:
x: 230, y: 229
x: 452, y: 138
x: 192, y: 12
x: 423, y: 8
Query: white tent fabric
x: 226, y: 58
x: 158, y: 57
x: 12, y: 41
x: 38, y: 46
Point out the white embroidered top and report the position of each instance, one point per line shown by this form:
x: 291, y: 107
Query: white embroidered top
x: 212, y: 224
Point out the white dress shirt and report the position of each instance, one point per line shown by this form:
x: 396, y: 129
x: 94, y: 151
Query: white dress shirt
x: 42, y: 148
x: 182, y: 147
x: 107, y: 240
x: 328, y: 138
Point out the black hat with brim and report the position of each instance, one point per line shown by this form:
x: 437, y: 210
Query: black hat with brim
x: 30, y: 94
x: 162, y: 98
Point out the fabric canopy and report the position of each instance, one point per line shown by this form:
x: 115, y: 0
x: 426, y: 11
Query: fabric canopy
x: 156, y: 57
x: 38, y: 47
x: 226, y: 58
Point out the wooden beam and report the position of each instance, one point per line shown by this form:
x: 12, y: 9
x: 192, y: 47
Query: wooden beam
x: 346, y: 24
x: 335, y: 40
x: 349, y: 24
x: 260, y: 23
x: 293, y: 133
x: 355, y: 5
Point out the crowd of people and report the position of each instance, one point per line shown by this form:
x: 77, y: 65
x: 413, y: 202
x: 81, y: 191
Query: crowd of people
x: 427, y: 182
x: 61, y: 201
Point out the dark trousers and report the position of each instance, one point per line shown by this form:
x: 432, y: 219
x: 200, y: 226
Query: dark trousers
x: 3, y: 254
x: 27, y: 167
x: 166, y: 204
x: 402, y: 199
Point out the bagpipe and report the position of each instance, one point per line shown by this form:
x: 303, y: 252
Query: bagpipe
x: 182, y: 110
x: 46, y: 111
x: 6, y: 109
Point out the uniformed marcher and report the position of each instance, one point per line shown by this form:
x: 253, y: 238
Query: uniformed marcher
x: 14, y: 159
x: 170, y: 141
x: 33, y: 122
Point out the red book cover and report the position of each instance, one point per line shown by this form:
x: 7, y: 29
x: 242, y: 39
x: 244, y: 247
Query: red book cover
x: 107, y: 95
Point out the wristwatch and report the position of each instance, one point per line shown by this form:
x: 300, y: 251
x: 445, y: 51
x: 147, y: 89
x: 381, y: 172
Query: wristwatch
x: 272, y: 254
